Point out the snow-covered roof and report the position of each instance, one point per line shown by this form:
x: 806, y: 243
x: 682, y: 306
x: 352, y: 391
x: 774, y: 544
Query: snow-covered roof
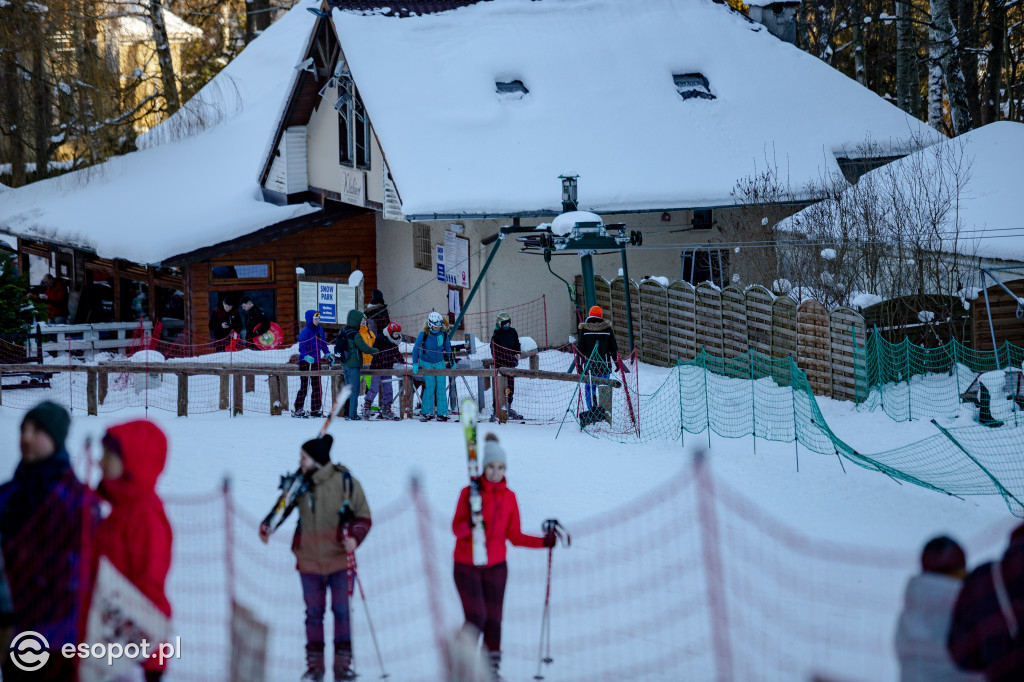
x: 991, y: 224
x: 601, y: 103
x: 189, y: 185
x: 132, y: 23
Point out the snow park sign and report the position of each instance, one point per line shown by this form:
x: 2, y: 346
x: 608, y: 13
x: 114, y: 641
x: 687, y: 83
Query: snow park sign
x: 331, y: 297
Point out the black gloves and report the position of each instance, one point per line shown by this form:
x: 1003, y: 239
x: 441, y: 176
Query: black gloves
x: 550, y: 539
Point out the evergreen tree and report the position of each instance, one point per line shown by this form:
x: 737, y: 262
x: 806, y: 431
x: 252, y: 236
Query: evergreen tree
x: 16, y: 309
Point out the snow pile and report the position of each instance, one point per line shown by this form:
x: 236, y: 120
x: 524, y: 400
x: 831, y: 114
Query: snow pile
x: 925, y: 316
x: 196, y: 191
x: 499, y: 159
x: 863, y: 300
x: 995, y: 382
x: 563, y: 224
x: 783, y: 286
x: 147, y: 357
x: 828, y: 254
x: 663, y: 281
x: 356, y: 278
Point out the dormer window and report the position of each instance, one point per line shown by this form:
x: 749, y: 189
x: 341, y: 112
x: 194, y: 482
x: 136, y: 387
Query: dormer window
x: 510, y: 89
x: 692, y: 85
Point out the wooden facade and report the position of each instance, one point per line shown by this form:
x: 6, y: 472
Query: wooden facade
x: 350, y: 240
x: 1005, y: 323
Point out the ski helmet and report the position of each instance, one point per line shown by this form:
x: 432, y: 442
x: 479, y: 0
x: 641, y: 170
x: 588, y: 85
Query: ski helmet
x: 503, y: 319
x: 434, y: 320
x: 595, y: 311
x: 394, y: 332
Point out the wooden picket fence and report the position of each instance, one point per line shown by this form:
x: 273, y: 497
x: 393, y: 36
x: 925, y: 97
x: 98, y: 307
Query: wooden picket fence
x: 675, y: 322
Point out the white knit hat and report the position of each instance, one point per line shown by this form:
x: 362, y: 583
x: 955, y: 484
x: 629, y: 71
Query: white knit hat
x: 493, y: 452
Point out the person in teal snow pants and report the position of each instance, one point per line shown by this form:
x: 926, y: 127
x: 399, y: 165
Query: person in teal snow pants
x: 432, y: 346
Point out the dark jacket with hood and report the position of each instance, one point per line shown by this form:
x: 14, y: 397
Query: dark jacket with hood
x: 505, y: 347
x: 597, y: 333
x: 350, y: 335
x: 388, y: 354
x: 217, y: 318
x: 45, y: 500
x: 377, y: 312
x: 312, y: 341
x: 253, y: 323
x: 979, y: 637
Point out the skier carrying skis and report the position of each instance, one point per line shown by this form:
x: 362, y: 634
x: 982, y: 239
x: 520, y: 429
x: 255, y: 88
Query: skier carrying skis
x: 596, y: 334
x: 431, y: 349
x: 351, y: 346
x: 387, y: 357
x: 482, y: 588
x: 334, y: 519
x: 505, y: 349
x: 136, y: 537
x: 312, y: 347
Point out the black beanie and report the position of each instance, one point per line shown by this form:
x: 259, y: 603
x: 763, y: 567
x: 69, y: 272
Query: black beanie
x: 53, y: 419
x: 377, y: 296
x: 319, y: 449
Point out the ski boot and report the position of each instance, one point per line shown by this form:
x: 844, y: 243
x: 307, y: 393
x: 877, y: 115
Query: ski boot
x: 300, y: 414
x: 512, y: 414
x: 426, y: 417
x: 367, y: 411
x: 343, y: 662
x: 315, y: 667
x: 442, y: 417
x: 317, y: 415
x: 387, y: 415
x: 494, y: 660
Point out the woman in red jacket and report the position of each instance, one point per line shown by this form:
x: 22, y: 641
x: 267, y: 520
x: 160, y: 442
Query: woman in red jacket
x: 136, y: 537
x: 482, y: 588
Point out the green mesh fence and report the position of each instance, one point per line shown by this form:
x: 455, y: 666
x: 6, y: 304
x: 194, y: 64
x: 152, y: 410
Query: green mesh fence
x: 772, y: 399
x: 913, y: 382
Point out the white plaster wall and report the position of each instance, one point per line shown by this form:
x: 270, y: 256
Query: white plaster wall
x: 515, y: 277
x: 322, y: 152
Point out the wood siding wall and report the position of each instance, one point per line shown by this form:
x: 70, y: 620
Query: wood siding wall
x: 1008, y: 326
x: 353, y: 239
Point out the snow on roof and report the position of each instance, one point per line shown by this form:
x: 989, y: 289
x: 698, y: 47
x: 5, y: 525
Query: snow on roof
x: 991, y: 225
x: 601, y: 103
x: 185, y: 188
x: 133, y: 25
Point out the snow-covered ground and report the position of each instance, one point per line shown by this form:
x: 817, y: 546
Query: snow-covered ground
x: 810, y: 564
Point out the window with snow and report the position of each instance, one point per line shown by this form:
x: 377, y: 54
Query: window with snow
x: 692, y: 85
x: 509, y: 90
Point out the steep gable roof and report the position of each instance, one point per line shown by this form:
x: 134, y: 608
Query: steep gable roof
x: 601, y: 103
x: 194, y: 181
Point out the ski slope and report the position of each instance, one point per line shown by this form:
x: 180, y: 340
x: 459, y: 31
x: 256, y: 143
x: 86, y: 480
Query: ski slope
x: 810, y: 563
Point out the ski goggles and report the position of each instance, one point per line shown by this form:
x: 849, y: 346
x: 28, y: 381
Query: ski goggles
x: 316, y: 316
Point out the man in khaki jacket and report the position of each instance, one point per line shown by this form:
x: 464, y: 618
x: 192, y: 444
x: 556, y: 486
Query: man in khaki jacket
x: 334, y: 519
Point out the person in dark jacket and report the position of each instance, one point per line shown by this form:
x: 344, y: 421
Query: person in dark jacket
x: 505, y: 349
x: 598, y: 351
x: 222, y: 320
x: 42, y: 512
x: 923, y: 626
x: 388, y: 355
x: 482, y: 588
x: 136, y: 537
x: 312, y: 348
x: 334, y: 519
x: 353, y: 340
x: 986, y: 631
x: 377, y: 315
x: 251, y: 321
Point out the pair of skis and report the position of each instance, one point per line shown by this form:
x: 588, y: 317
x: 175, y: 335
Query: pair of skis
x: 468, y: 413
x: 296, y: 484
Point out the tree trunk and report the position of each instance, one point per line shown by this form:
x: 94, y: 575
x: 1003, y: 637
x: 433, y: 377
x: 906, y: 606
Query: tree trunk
x: 163, y: 51
x: 860, y: 72
x: 936, y: 45
x: 42, y: 103
x: 906, y: 59
x: 966, y: 30
x: 13, y: 116
x: 993, y: 67
x: 948, y: 46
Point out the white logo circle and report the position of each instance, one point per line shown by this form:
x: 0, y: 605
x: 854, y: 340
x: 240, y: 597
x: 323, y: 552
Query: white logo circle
x: 29, y: 651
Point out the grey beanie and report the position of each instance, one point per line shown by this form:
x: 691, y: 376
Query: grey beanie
x: 493, y: 452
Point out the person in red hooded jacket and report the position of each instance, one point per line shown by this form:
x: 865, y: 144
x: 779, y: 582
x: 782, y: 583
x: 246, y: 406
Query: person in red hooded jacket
x: 482, y: 588
x: 136, y: 537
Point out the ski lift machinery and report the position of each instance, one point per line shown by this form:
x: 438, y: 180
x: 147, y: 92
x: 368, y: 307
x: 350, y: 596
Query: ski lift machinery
x: 585, y: 237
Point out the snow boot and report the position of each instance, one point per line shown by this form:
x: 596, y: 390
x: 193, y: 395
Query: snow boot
x: 387, y: 414
x: 343, y: 662
x: 426, y: 417
x: 494, y: 660
x: 315, y: 667
x: 300, y: 414
x: 367, y: 411
x: 512, y: 414
x: 441, y: 417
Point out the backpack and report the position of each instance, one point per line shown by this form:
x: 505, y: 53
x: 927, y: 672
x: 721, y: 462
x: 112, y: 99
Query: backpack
x: 343, y: 344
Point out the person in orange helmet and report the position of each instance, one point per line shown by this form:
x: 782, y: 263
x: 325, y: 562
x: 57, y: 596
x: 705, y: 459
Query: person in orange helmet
x: 597, y: 348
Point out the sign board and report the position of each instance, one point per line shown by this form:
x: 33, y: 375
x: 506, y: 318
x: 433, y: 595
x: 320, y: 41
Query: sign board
x: 346, y: 301
x: 440, y: 263
x: 353, y: 186
x: 392, y: 203
x: 327, y: 302
x: 456, y: 270
x: 307, y: 299
x: 120, y: 614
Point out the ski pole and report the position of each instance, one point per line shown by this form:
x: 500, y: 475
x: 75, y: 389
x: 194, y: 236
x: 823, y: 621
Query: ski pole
x: 549, y: 526
x: 353, y: 573
x: 373, y: 633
